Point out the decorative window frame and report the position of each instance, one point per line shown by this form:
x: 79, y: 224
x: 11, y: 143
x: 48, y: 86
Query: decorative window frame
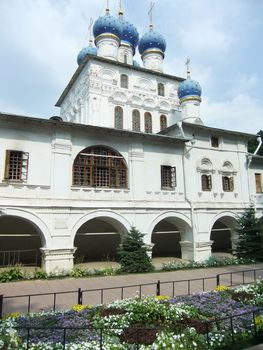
x: 227, y: 170
x: 205, y: 167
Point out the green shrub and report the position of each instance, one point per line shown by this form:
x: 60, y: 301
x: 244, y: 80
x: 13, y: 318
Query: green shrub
x: 132, y: 253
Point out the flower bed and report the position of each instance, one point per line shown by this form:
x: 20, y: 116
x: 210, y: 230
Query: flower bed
x: 212, y: 320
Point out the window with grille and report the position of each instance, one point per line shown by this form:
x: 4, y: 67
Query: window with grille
x: 118, y: 118
x: 258, y: 179
x: 214, y: 142
x: 168, y: 177
x: 16, y: 167
x: 124, y: 81
x: 136, y: 122
x: 100, y: 167
x: 163, y: 122
x: 160, y: 89
x: 228, y: 183
x: 206, y: 182
x: 148, y: 122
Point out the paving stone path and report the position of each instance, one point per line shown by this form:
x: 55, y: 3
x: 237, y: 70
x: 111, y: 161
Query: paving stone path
x: 67, y: 288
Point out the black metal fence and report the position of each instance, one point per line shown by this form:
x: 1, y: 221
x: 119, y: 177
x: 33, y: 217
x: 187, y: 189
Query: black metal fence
x: 58, y: 300
x: 30, y: 257
x: 229, y: 326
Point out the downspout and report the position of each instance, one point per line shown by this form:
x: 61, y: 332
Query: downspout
x: 188, y: 200
x: 250, y: 157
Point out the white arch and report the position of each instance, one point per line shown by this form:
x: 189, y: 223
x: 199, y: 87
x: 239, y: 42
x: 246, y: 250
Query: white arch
x: 221, y: 215
x: 184, y: 221
x: 120, y: 222
x: 34, y: 219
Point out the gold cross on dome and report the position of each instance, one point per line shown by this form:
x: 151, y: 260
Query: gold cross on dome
x: 120, y: 8
x: 107, y: 6
x: 150, y: 13
x: 90, y: 26
x: 187, y: 63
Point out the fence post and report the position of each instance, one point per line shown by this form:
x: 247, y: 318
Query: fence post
x: 218, y: 280
x: 158, y: 288
x: 80, y: 296
x: 1, y: 305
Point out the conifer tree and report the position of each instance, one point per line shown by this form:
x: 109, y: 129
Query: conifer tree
x: 132, y: 254
x: 249, y: 232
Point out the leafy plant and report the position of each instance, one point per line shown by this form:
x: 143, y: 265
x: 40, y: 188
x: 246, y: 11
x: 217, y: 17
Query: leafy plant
x: 13, y: 274
x: 78, y: 272
x: 40, y: 275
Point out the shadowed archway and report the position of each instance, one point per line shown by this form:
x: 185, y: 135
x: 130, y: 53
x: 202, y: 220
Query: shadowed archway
x: 20, y: 241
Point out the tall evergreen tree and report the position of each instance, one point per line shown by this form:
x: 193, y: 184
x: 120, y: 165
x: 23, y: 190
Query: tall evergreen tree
x: 132, y: 253
x: 249, y: 232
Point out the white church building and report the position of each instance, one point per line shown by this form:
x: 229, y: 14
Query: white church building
x: 128, y: 149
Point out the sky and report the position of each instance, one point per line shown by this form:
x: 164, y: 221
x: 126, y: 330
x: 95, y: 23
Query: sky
x: 40, y: 40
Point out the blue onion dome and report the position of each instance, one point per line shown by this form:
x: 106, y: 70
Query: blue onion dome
x: 136, y: 64
x: 152, y: 40
x: 129, y: 33
x: 189, y: 88
x: 90, y: 50
x: 107, y: 24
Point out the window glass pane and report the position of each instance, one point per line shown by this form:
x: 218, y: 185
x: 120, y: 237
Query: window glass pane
x: 136, y: 123
x: 118, y: 118
x: 163, y: 122
x: 100, y: 167
x: 124, y: 81
x: 168, y: 177
x: 148, y: 122
x: 160, y: 89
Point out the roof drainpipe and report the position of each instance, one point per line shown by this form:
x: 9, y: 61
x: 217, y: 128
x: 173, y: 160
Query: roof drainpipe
x: 259, y: 145
x: 250, y: 157
x: 180, y: 126
x: 194, y: 229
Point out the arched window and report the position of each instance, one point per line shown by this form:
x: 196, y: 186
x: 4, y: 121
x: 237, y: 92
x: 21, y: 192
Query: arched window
x: 118, y: 118
x: 124, y: 81
x: 136, y: 122
x: 163, y: 122
x: 160, y: 89
x: 125, y: 59
x: 148, y: 122
x: 100, y: 166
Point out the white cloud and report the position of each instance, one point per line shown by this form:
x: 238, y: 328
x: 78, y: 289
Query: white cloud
x: 243, y: 83
x: 242, y: 113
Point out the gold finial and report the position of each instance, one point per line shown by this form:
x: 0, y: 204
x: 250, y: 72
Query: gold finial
x: 91, y: 21
x: 150, y: 14
x: 107, y: 7
x: 120, y: 8
x: 187, y: 63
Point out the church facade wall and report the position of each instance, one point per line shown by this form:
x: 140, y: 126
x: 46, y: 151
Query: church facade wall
x: 57, y: 208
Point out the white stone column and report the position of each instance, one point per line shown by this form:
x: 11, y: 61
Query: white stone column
x: 203, y: 250
x: 57, y: 260
x: 187, y: 249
